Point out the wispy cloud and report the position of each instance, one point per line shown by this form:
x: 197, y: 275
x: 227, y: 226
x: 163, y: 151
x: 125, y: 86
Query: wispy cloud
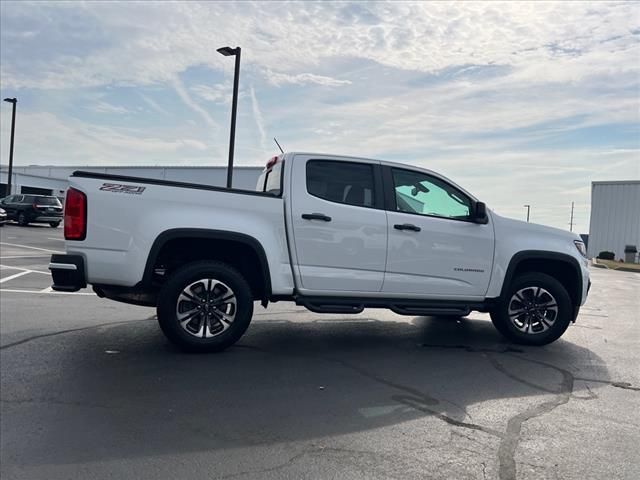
x: 188, y: 101
x: 155, y: 106
x: 216, y: 93
x: 257, y: 116
x: 105, y: 107
x: 279, y: 79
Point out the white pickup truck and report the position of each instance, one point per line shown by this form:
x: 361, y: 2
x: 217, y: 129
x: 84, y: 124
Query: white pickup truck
x: 334, y: 234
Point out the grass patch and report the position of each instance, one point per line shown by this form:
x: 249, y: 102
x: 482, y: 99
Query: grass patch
x: 613, y: 265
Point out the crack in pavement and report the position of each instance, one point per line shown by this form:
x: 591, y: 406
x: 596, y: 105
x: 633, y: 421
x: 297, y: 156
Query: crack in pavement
x: 53, y: 401
x: 511, y: 438
x: 616, y: 384
x: 70, y: 330
x: 471, y: 349
x: 265, y: 470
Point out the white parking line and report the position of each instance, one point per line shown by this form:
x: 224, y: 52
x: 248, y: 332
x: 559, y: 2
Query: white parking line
x: 11, y: 277
x: 32, y: 248
x: 26, y: 270
x: 25, y: 256
x: 7, y: 290
x: 56, y: 239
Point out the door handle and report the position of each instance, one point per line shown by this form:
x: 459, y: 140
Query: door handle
x: 316, y: 216
x: 407, y: 226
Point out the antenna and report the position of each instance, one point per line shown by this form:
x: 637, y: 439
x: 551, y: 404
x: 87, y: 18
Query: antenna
x: 281, y: 150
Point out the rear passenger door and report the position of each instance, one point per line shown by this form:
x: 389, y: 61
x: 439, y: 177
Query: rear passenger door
x: 339, y: 225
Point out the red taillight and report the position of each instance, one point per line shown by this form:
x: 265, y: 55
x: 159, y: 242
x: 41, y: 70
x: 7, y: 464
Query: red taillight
x: 75, y: 215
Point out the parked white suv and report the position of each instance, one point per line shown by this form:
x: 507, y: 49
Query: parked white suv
x: 335, y: 234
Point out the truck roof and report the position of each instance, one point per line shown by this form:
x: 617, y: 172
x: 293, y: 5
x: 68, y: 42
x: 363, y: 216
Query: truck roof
x: 333, y: 156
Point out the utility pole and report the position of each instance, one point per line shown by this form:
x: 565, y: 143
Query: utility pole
x: 13, y: 101
x: 571, y: 221
x: 528, y: 211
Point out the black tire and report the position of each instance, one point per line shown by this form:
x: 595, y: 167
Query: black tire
x: 534, y: 281
x: 54, y: 224
x: 184, y: 277
x: 22, y: 220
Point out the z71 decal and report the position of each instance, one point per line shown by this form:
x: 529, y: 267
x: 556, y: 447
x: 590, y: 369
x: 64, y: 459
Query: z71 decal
x: 119, y: 188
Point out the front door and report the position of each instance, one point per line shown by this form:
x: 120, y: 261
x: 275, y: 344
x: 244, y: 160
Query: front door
x: 339, y: 225
x: 435, y: 250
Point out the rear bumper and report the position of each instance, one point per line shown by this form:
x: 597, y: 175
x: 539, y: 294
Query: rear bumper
x: 68, y: 273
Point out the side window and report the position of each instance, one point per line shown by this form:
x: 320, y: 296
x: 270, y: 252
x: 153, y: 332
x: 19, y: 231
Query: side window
x: 341, y: 182
x: 417, y: 192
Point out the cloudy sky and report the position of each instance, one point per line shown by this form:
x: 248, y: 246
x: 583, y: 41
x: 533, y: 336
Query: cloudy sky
x: 521, y: 103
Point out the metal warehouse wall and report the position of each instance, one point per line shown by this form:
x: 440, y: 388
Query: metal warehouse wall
x: 55, y: 178
x: 615, y: 217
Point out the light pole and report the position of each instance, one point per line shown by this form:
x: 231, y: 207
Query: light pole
x: 14, y: 101
x: 571, y: 220
x: 528, y: 211
x: 228, y: 52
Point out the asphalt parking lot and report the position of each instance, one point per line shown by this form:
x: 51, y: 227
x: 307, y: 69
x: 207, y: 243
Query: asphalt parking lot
x: 90, y: 389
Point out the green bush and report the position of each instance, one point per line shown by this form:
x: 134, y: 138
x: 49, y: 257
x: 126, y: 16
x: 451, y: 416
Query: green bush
x: 607, y: 255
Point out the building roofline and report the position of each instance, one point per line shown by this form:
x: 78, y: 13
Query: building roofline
x: 616, y: 182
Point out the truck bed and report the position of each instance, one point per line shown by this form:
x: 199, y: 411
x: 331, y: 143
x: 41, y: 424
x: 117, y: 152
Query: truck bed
x: 125, y: 215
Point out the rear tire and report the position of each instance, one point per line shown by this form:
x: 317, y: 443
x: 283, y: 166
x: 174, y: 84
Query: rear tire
x: 54, y: 224
x: 205, y: 306
x: 22, y: 220
x: 536, y: 310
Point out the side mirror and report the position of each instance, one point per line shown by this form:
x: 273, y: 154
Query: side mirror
x: 480, y: 213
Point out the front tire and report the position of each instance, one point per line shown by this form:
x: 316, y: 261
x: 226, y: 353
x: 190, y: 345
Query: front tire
x: 536, y: 310
x: 205, y: 306
x: 22, y: 220
x: 54, y: 224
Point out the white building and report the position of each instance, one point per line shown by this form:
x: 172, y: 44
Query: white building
x: 50, y: 180
x: 615, y: 217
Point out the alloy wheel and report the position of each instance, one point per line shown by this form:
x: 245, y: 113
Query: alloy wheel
x: 206, y: 308
x: 533, y: 310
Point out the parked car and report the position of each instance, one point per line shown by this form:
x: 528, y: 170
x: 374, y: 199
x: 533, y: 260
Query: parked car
x: 334, y: 234
x: 26, y: 209
x: 3, y: 217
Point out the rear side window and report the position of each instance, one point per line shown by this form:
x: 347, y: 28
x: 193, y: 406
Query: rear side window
x: 341, y: 182
x: 273, y: 181
x: 48, y: 201
x: 270, y: 180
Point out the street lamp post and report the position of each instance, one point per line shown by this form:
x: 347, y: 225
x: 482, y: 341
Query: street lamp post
x: 228, y: 52
x: 14, y: 101
x: 528, y: 211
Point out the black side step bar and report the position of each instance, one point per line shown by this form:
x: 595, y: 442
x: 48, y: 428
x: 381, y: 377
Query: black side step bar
x: 412, y: 310
x: 399, y: 306
x: 332, y: 308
